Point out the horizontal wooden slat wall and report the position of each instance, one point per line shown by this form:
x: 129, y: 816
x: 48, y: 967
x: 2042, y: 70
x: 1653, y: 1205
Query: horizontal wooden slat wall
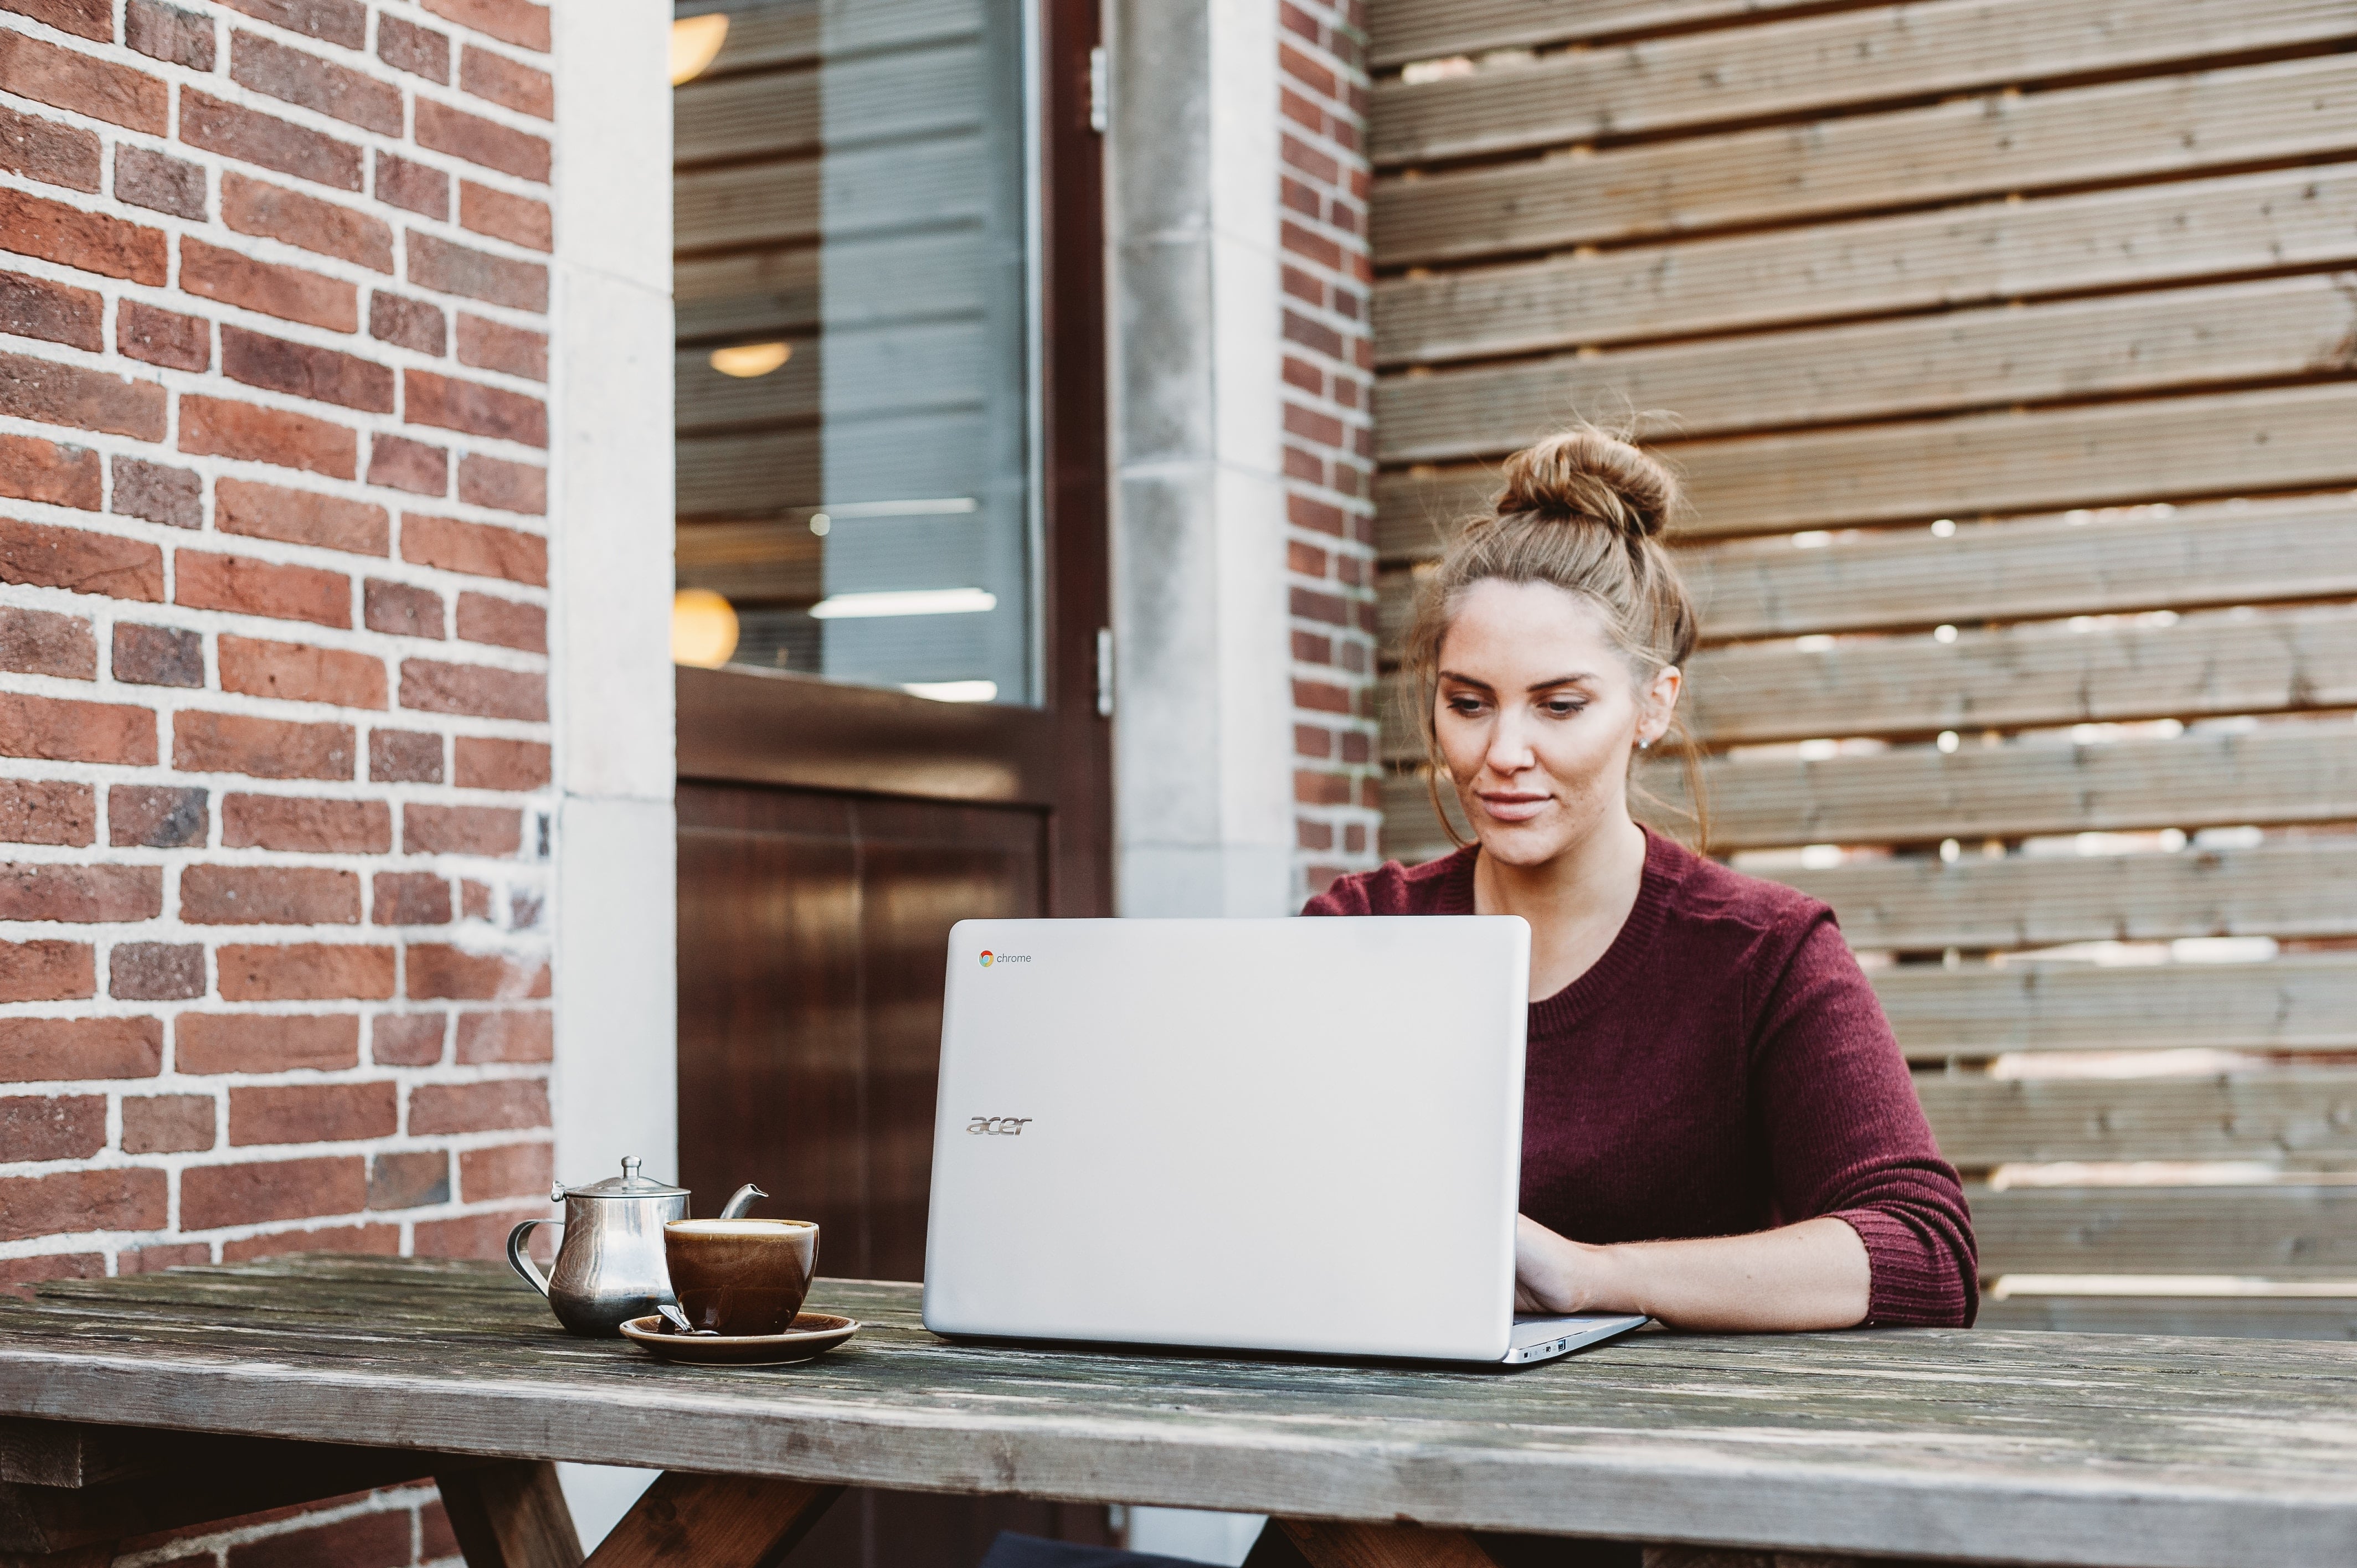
x: 2008, y: 351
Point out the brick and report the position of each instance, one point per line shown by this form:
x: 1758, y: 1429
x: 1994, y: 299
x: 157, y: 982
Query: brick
x: 509, y: 83
x: 410, y: 898
x: 430, y: 398
x: 55, y: 393
x: 267, y: 142
x: 506, y: 1170
x: 506, y: 486
x: 294, y: 672
x: 510, y: 1035
x: 92, y: 19
x: 410, y: 1179
x: 401, y: 464
x: 48, y: 811
x: 308, y: 827
x: 411, y: 323
x: 155, y: 972
x: 212, y: 426
x: 510, y: 21
x: 519, y: 219
x: 413, y: 186
x: 474, y: 899
x: 168, y: 1124
x: 51, y: 153
x: 75, y: 1201
x: 67, y: 79
x: 306, y: 971
x: 42, y: 642
x: 52, y: 1127
x: 488, y: 345
x: 446, y: 268
x: 383, y: 1240
x: 524, y: 908
x: 478, y: 549
x: 54, y: 312
x: 431, y: 686
x: 439, y: 973
x: 420, y: 51
x: 36, y: 1050
x: 503, y: 622
x: 158, y: 493
x: 47, y: 971
x: 502, y: 1103
x: 483, y: 763
x: 311, y: 1113
x: 58, y: 729
x: 153, y: 1260
x: 161, y: 184
x: 169, y: 33
x: 444, y: 129
x: 265, y: 1042
x: 215, y: 1196
x: 301, y: 517
x: 307, y: 222
x: 18, y: 1277
x: 36, y: 470
x: 376, y: 1539
x: 155, y: 816
x: 78, y: 560
x: 1312, y: 788
x: 163, y: 336
x: 293, y: 76
x: 261, y: 748
x: 492, y: 831
x: 341, y: 22
x: 405, y: 756
x: 406, y: 1040
x: 400, y: 610
x: 253, y: 588
x: 291, y: 294
x: 159, y: 655
x: 89, y: 242
x: 469, y: 1235
x: 269, y: 896
x: 305, y: 371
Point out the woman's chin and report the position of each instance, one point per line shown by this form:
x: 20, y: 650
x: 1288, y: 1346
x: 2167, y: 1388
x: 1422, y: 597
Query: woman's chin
x: 1532, y: 843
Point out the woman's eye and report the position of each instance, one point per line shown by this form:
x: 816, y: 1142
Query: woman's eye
x: 1468, y: 706
x: 1564, y: 707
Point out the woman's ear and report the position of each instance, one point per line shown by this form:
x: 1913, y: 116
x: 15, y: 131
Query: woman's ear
x: 1660, y: 701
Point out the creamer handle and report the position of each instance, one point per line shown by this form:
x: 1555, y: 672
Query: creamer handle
x: 519, y: 1261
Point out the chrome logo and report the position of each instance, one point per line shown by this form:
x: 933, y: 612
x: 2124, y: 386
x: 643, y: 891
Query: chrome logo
x: 985, y: 958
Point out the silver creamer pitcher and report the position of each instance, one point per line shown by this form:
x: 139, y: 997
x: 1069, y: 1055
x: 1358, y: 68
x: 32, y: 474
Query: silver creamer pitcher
x: 609, y: 1267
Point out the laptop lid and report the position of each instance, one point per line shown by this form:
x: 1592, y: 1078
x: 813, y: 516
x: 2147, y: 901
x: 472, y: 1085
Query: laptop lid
x: 1290, y: 1134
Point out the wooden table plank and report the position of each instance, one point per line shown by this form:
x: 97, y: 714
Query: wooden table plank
x: 2119, y: 1452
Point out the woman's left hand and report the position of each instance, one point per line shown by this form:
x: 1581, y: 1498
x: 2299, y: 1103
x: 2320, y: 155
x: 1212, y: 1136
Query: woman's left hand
x: 1552, y: 1273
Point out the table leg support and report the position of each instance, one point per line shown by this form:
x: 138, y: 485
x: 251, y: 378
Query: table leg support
x: 1330, y: 1545
x: 510, y: 1516
x: 714, y: 1521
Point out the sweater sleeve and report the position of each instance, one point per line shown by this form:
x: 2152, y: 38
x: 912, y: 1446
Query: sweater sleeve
x: 1845, y: 1136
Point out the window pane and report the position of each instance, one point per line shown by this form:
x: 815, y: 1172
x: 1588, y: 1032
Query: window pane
x: 855, y: 384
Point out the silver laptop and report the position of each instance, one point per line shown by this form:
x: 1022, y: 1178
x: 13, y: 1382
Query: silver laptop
x: 1294, y: 1135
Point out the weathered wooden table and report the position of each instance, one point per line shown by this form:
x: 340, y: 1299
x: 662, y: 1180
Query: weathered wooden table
x: 142, y: 1403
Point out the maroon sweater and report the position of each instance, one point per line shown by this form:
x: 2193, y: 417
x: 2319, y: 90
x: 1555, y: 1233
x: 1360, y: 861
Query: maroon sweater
x: 1723, y: 1069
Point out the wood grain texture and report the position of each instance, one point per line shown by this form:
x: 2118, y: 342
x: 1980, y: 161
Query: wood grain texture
x: 714, y: 1521
x: 1978, y: 254
x: 2241, y: 1316
x: 1328, y: 1545
x: 69, y: 1453
x: 1819, y: 63
x: 1950, y: 152
x: 2119, y: 345
x: 2282, y: 1232
x: 510, y: 1516
x: 2297, y: 1003
x: 868, y: 190
x: 1399, y: 31
x: 2087, y: 1450
x: 1977, y: 464
x: 2297, y: 1119
x: 765, y: 37
x: 903, y: 93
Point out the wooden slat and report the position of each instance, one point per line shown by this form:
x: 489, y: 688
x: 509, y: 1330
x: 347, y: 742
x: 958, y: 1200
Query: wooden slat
x: 1819, y: 63
x: 2299, y: 1118
x: 2205, y: 665
x: 1399, y: 31
x: 1909, y: 158
x: 934, y: 366
x: 907, y: 93
x: 747, y: 476
x: 873, y: 282
x: 2285, y: 1232
x: 2297, y: 1003
x: 510, y: 1516
x: 2274, y: 330
x: 2240, y: 1316
x: 702, y: 397
x: 934, y: 184
x: 1987, y: 251
x: 2182, y: 558
x: 2169, y: 449
x: 796, y: 32
x: 779, y: 561
x: 2291, y: 773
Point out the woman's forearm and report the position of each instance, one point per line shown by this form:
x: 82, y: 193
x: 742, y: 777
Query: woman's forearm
x: 1813, y: 1274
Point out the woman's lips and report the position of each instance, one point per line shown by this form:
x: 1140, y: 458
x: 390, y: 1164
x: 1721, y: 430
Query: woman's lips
x: 1512, y: 808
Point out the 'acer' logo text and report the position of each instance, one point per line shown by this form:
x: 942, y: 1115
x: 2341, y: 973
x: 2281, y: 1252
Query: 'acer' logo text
x: 999, y: 1126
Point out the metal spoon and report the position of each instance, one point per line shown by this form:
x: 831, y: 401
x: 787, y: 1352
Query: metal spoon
x: 678, y: 1320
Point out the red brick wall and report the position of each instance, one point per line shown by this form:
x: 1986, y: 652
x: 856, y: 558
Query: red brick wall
x: 1328, y: 369
x: 273, y: 710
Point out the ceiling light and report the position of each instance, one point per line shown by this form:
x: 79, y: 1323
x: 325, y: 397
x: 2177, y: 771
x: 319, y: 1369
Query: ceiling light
x: 750, y: 360
x: 703, y: 629
x: 695, y: 43
x: 952, y: 691
x: 904, y: 602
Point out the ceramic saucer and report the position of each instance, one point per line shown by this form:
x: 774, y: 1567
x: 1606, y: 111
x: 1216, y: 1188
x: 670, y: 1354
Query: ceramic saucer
x: 814, y: 1334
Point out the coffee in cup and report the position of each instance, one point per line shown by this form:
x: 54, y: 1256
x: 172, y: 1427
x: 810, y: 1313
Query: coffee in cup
x: 740, y: 1276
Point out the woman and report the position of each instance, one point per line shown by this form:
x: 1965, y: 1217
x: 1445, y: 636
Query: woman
x: 1718, y: 1129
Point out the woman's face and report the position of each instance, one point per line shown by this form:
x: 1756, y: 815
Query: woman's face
x: 1536, y: 713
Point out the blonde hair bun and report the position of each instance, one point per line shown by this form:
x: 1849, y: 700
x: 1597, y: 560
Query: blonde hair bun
x: 1586, y: 473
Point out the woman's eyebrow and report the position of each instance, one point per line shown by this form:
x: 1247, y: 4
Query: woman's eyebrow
x: 1466, y: 680
x: 1560, y: 681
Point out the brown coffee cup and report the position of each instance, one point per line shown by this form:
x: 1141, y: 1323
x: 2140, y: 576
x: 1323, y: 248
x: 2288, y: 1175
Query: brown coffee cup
x: 740, y: 1276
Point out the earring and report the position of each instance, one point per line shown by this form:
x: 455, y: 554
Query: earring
x: 1644, y: 744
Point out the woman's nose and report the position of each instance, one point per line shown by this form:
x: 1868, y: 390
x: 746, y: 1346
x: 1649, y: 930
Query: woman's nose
x: 1509, y: 752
